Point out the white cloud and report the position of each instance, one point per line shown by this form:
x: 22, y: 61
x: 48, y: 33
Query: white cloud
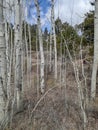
x: 71, y: 11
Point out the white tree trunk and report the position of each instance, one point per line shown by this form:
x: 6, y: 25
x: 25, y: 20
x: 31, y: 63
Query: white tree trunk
x: 7, y: 46
x: 54, y: 36
x: 42, y: 78
x: 7, y: 56
x: 50, y: 60
x: 18, y: 71
x: 37, y: 71
x: 95, y: 64
x: 3, y: 92
x: 46, y: 61
x: 9, y: 91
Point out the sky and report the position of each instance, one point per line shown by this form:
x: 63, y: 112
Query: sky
x: 71, y: 11
x: 74, y: 10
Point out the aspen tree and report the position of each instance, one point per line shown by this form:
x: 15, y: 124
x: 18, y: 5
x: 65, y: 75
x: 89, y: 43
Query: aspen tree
x: 7, y: 50
x: 79, y: 87
x: 50, y: 51
x: 37, y: 71
x: 47, y: 58
x: 3, y: 93
x: 95, y: 64
x: 42, y: 77
x: 18, y: 51
x: 54, y: 36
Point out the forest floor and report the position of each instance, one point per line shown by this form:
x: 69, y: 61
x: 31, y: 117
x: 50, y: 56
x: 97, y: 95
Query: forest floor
x: 58, y: 108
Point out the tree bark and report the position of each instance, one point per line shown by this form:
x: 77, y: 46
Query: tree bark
x: 54, y: 36
x: 95, y: 64
x: 3, y: 92
x: 18, y: 52
x: 42, y: 77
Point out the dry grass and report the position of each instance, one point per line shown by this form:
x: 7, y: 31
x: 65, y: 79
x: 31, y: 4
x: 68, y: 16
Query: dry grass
x: 58, y: 109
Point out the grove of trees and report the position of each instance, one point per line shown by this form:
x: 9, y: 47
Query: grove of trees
x: 48, y: 79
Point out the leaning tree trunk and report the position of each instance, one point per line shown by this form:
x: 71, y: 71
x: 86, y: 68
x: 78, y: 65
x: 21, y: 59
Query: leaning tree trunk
x: 95, y: 64
x: 42, y: 79
x: 18, y: 52
x: 3, y: 92
x: 54, y: 36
